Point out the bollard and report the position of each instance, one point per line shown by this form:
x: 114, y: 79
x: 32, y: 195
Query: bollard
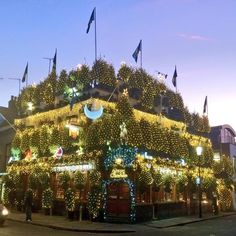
x: 80, y: 212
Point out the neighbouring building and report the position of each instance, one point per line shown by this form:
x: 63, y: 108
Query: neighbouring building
x: 7, y: 133
x: 223, y: 138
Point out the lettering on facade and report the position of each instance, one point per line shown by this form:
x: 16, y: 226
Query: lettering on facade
x: 118, y: 173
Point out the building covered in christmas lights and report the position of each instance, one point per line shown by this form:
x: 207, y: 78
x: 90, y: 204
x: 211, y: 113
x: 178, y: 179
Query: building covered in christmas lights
x: 119, y: 147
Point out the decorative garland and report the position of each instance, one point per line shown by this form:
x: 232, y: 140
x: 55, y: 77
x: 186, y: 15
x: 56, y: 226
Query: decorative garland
x: 126, y: 153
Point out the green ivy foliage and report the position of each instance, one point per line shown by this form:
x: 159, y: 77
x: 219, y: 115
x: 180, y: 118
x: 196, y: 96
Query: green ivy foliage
x: 25, y: 140
x: 147, y: 98
x: 157, y: 180
x: 43, y: 141
x: 62, y: 82
x: 160, y: 141
x: 146, y: 132
x: 16, y: 142
x: 92, y: 136
x: 116, y: 121
x: 64, y: 178
x: 38, y: 95
x: 34, y: 181
x: 55, y: 138
x: 181, y: 183
x: 49, y: 88
x: 84, y: 75
x: 105, y: 130
x: 125, y: 73
x: 145, y: 179
x: 124, y: 108
x: 35, y: 138
x: 103, y: 72
x: 79, y: 180
x: 209, y: 186
x: 134, y: 133
x: 167, y: 181
x: 65, y: 139
x: 44, y: 179
x: 26, y: 95
x: 224, y: 168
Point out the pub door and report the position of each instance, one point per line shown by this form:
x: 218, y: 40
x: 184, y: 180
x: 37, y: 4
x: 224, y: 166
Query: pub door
x: 118, y: 200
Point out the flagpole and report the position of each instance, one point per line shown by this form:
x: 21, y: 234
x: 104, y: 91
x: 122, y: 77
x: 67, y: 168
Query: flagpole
x: 26, y: 82
x: 176, y: 81
x: 49, y: 64
x: 207, y: 107
x: 141, y: 54
x: 95, y: 34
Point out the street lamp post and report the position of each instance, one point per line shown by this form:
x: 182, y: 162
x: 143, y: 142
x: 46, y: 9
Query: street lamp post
x: 199, y: 153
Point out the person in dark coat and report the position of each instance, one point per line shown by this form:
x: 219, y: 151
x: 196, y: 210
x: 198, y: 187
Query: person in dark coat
x: 28, y: 204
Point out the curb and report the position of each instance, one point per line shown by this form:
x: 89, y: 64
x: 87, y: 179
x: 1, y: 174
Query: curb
x: 190, y: 222
x: 73, y: 229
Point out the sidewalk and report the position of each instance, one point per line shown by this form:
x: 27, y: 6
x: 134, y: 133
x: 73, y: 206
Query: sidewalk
x: 61, y: 223
x: 184, y: 220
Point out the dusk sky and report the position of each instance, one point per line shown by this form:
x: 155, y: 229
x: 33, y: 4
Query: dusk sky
x: 198, y: 36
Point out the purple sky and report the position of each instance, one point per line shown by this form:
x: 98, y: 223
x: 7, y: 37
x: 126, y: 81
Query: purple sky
x: 198, y: 36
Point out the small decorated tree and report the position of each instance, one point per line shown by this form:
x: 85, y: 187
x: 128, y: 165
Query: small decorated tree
x: 47, y: 200
x: 70, y: 202
x: 94, y: 201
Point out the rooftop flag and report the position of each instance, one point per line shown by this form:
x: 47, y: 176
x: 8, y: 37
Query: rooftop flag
x: 137, y: 50
x: 25, y: 75
x: 205, y: 106
x: 174, y: 79
x: 92, y: 18
x: 54, y: 66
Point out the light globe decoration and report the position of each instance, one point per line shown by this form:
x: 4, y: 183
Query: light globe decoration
x: 199, y: 153
x: 30, y: 106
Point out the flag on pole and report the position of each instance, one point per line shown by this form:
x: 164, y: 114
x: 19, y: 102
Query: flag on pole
x: 25, y: 75
x: 174, y: 79
x: 92, y: 18
x: 54, y: 66
x: 205, y: 106
x: 137, y: 50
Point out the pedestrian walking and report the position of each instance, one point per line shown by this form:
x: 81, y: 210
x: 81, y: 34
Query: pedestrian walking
x: 28, y: 204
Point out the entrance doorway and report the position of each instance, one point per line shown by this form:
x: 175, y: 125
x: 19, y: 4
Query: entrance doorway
x: 118, y: 200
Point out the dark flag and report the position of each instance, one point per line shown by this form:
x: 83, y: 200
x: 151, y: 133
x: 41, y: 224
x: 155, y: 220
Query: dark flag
x: 205, y: 106
x: 174, y: 79
x: 92, y: 18
x: 137, y: 50
x: 25, y: 75
x: 54, y: 66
